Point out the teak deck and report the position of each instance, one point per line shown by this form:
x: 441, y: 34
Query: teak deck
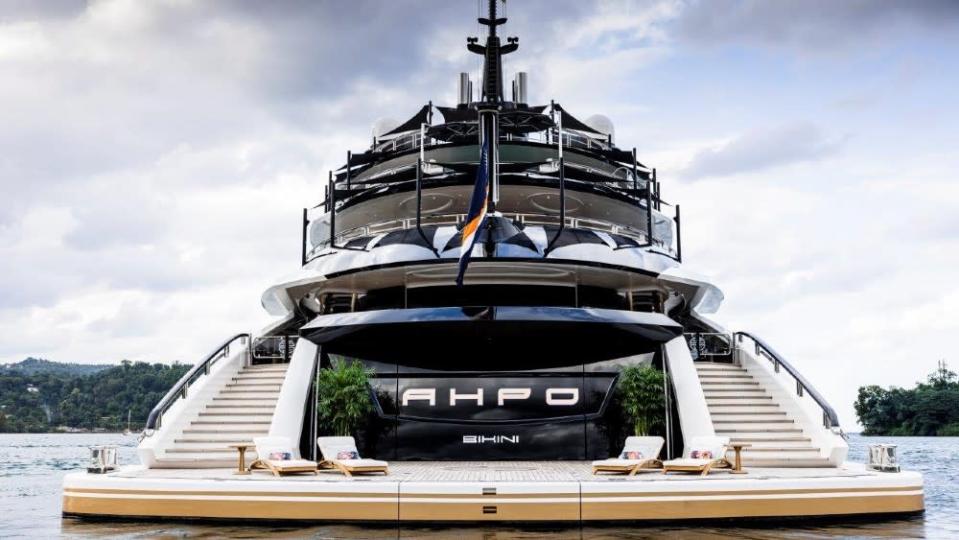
x: 490, y: 491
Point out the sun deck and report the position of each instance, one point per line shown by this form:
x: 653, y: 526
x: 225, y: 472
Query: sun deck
x: 491, y: 491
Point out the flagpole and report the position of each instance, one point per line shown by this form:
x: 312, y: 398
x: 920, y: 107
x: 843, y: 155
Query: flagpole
x: 488, y: 108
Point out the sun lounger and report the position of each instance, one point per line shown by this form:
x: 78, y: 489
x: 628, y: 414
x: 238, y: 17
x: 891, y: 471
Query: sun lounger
x: 702, y: 455
x: 340, y: 453
x: 638, y: 453
x: 277, y: 455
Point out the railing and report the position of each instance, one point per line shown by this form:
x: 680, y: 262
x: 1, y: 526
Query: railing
x: 830, y: 418
x: 273, y: 348
x: 414, y: 140
x: 709, y: 344
x: 316, y: 238
x: 179, y: 390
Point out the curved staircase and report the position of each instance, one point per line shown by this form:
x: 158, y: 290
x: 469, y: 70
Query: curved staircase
x: 241, y: 410
x: 744, y: 411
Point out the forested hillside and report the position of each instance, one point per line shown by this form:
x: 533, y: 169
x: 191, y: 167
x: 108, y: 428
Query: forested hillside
x: 48, y: 399
x: 31, y: 366
x: 931, y: 408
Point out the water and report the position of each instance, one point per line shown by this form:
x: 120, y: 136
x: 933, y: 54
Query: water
x: 32, y: 467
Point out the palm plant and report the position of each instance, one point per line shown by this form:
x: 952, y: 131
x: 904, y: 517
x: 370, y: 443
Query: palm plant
x: 641, y: 396
x: 343, y: 396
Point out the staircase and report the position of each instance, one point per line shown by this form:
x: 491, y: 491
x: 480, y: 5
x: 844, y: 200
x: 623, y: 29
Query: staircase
x: 744, y: 411
x: 241, y: 410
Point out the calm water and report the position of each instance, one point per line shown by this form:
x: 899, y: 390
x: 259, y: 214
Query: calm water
x: 32, y: 466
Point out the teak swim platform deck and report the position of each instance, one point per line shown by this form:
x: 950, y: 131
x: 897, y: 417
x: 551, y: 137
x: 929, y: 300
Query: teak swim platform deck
x: 490, y: 491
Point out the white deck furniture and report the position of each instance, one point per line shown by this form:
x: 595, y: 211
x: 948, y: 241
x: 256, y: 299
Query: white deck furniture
x: 638, y: 453
x: 335, y: 451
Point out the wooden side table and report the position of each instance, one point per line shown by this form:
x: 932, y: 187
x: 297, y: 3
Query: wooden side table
x: 738, y: 466
x: 241, y: 464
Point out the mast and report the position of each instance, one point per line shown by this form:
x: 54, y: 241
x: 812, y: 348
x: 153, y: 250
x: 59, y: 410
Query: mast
x: 491, y: 101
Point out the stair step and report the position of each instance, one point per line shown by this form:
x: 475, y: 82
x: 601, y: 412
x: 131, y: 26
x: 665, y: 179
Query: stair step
x: 742, y: 401
x: 200, y: 461
x: 207, y: 439
x: 729, y: 383
x: 244, y: 416
x: 734, y: 391
x: 755, y: 421
x: 254, y: 385
x: 753, y: 430
x: 738, y: 397
x: 244, y: 433
x: 228, y: 454
x: 764, y: 449
x: 717, y: 365
x: 271, y: 405
x: 228, y: 422
x: 766, y: 426
x: 267, y: 367
x: 245, y: 399
x: 213, y: 446
x: 742, y: 408
x: 757, y: 414
x: 761, y: 442
x: 247, y: 379
x: 785, y: 461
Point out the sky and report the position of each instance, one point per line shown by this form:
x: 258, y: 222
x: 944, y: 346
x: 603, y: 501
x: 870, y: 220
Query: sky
x: 155, y: 158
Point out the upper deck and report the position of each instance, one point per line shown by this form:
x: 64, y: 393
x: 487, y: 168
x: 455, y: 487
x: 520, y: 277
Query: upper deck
x: 418, y: 177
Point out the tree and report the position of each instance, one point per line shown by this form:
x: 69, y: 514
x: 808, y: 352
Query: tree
x: 930, y: 408
x: 942, y: 377
x: 640, y: 391
x: 343, y: 396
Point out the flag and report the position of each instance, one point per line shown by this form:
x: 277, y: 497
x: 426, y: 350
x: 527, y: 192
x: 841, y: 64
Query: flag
x: 477, y: 213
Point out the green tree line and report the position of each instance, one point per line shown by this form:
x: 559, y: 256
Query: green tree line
x: 931, y: 408
x: 38, y: 402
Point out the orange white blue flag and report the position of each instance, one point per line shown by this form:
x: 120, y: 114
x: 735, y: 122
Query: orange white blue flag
x: 477, y: 212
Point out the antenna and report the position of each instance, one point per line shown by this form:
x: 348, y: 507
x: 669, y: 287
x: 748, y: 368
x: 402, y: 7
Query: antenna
x: 492, y: 53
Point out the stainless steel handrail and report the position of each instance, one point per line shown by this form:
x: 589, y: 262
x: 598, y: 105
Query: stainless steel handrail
x: 830, y: 418
x: 179, y: 389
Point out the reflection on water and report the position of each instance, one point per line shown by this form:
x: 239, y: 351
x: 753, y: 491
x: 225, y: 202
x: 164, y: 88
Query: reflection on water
x: 32, y: 466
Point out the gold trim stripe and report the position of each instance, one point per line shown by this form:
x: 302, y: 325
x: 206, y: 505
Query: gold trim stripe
x: 453, y: 510
x: 576, y: 493
x: 185, y: 493
x: 750, y: 492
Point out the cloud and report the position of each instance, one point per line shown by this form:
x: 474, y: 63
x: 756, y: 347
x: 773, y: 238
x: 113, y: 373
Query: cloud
x: 763, y: 149
x: 812, y: 25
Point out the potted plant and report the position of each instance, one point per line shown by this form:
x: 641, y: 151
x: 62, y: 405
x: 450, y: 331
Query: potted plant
x: 343, y: 396
x: 641, y: 396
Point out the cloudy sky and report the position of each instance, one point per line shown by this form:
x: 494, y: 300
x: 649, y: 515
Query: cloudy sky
x: 154, y: 158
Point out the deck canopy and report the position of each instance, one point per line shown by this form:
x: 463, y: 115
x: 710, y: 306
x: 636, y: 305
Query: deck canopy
x: 604, y: 332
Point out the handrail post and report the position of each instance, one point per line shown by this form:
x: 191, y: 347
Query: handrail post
x: 349, y: 158
x: 649, y: 213
x: 679, y: 236
x: 562, y: 203
x: 419, y: 207
x: 332, y: 201
x: 306, y: 224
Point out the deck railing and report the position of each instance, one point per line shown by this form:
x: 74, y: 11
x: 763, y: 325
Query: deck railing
x: 273, y: 348
x: 179, y: 389
x: 317, y: 241
x: 709, y: 344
